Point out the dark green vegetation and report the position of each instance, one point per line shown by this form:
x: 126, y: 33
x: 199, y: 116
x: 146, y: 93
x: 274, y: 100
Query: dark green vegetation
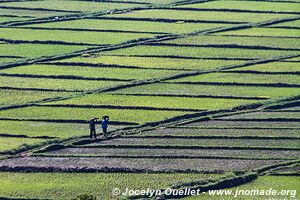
x: 200, y: 94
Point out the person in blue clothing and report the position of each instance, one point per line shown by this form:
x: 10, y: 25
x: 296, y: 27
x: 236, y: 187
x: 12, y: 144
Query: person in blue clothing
x: 104, y: 125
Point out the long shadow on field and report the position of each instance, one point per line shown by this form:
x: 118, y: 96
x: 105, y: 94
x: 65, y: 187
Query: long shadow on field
x: 239, y: 84
x: 231, y: 10
x: 64, y: 77
x: 165, y: 20
x: 222, y: 46
x: 196, y: 96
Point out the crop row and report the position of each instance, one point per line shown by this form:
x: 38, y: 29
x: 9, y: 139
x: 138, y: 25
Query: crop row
x: 238, y: 40
x: 202, y: 142
x: 248, y: 6
x: 269, y: 68
x: 209, y: 16
x: 81, y: 6
x: 153, y: 101
x: 11, y: 97
x: 151, y: 152
x: 177, y: 62
x: 62, y: 113
x: 123, y: 164
x: 216, y: 90
x: 265, y: 115
x: 221, y: 132
x: 98, y: 25
x: 241, y: 78
x: 55, y: 84
x: 90, y: 72
x: 246, y: 124
x: 268, y: 32
x: 83, y: 38
x: 200, y: 52
x: 36, y: 50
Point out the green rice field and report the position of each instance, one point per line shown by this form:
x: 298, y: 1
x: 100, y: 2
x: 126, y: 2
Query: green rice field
x: 201, y: 95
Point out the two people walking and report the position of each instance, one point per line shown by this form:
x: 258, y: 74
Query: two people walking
x: 104, y: 125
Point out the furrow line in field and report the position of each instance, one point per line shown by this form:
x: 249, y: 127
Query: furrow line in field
x: 188, y: 147
x: 225, y: 46
x: 161, y: 157
x: 39, y: 89
x: 260, y: 72
x: 213, y: 137
x: 90, y: 30
x: 284, y: 27
x: 197, y: 96
x: 262, y: 120
x: 238, y: 84
x: 165, y: 20
x: 8, y: 41
x: 234, y: 128
x: 232, y: 10
x: 262, y: 36
x: 38, y: 9
x: 69, y: 77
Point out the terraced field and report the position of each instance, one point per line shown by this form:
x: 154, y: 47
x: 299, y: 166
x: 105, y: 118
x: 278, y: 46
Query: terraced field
x: 201, y: 95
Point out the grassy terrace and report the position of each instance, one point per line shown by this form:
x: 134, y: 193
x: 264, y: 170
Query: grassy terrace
x: 8, y: 143
x: 248, y: 5
x: 11, y: 97
x: 202, y: 52
x: 30, y: 13
x: 215, y: 90
x: 238, y: 40
x: 37, y: 50
x: 272, y: 67
x: 241, y: 78
x: 37, y: 129
x: 67, y: 186
x: 155, y: 62
x: 134, y: 26
x: 269, y: 32
x: 203, y: 15
x: 202, y: 142
x: 154, y: 101
x: 68, y: 85
x: 134, y: 116
x: 81, y: 6
x: 8, y: 19
x: 83, y: 37
x: 90, y: 72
